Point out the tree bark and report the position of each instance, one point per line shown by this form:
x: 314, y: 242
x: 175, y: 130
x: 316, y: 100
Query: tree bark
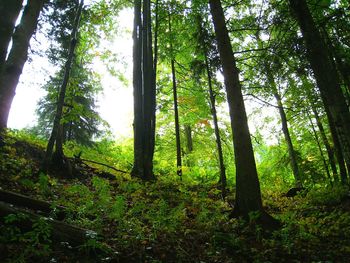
x: 248, y: 195
x: 137, y: 86
x: 324, y: 72
x: 12, y: 69
x: 57, y: 129
x: 144, y: 92
x: 9, y: 11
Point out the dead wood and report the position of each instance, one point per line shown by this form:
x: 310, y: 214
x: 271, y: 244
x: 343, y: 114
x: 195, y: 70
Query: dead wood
x: 34, y: 204
x: 60, y: 232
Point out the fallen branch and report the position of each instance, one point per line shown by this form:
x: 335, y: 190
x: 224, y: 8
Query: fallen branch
x: 61, y: 232
x: 34, y: 204
x: 106, y: 165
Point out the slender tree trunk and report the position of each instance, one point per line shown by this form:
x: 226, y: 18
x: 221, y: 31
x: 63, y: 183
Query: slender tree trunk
x: 325, y: 73
x: 189, y: 141
x: 326, y: 143
x: 337, y: 146
x: 285, y: 129
x: 325, y: 165
x: 339, y: 64
x: 176, y: 110
x: 144, y: 92
x: 312, y: 98
x: 248, y: 195
x: 222, y: 180
x: 177, y: 125
x: 12, y: 69
x: 291, y: 152
x: 9, y: 11
x: 55, y: 133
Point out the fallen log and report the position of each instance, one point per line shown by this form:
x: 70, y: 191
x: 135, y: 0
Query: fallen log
x: 38, y: 205
x: 60, y: 231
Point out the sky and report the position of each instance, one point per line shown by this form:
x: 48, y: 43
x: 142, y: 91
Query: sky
x: 115, y: 104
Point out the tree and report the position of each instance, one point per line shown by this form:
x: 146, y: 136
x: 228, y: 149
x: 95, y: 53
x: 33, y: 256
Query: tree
x: 56, y: 134
x: 9, y: 11
x: 144, y: 92
x: 80, y: 120
x: 176, y: 109
x: 13, y: 66
x: 324, y: 72
x: 248, y: 195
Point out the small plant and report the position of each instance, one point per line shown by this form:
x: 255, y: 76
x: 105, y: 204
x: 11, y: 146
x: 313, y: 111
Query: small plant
x: 36, y: 242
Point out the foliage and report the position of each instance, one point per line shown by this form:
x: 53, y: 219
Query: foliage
x: 187, y: 217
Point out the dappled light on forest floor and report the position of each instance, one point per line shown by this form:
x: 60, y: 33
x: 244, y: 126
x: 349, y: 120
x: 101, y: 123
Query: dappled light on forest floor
x: 167, y: 221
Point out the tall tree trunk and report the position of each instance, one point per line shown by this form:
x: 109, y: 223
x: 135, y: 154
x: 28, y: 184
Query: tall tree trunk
x: 313, y: 98
x: 325, y: 165
x: 55, y: 133
x: 326, y: 143
x: 337, y: 146
x: 9, y: 11
x: 12, y: 69
x: 177, y: 125
x: 176, y: 110
x: 137, y: 85
x: 325, y: 73
x: 248, y: 195
x: 148, y: 90
x: 144, y: 92
x: 341, y: 64
x: 291, y: 152
x: 285, y: 129
x: 222, y: 181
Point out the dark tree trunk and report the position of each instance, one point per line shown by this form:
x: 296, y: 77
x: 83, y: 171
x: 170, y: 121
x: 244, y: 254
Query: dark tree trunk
x: 176, y: 109
x: 248, y: 195
x: 325, y: 73
x: 144, y: 92
x: 177, y: 125
x: 12, y: 69
x: 311, y: 95
x: 326, y: 143
x: 9, y: 11
x: 325, y: 165
x: 137, y: 85
x: 337, y: 147
x: 189, y: 141
x: 56, y: 133
x: 222, y: 180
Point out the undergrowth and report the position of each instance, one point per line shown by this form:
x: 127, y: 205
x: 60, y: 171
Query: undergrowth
x: 168, y: 220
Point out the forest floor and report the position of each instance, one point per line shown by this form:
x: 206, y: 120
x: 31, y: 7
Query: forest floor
x: 164, y: 221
